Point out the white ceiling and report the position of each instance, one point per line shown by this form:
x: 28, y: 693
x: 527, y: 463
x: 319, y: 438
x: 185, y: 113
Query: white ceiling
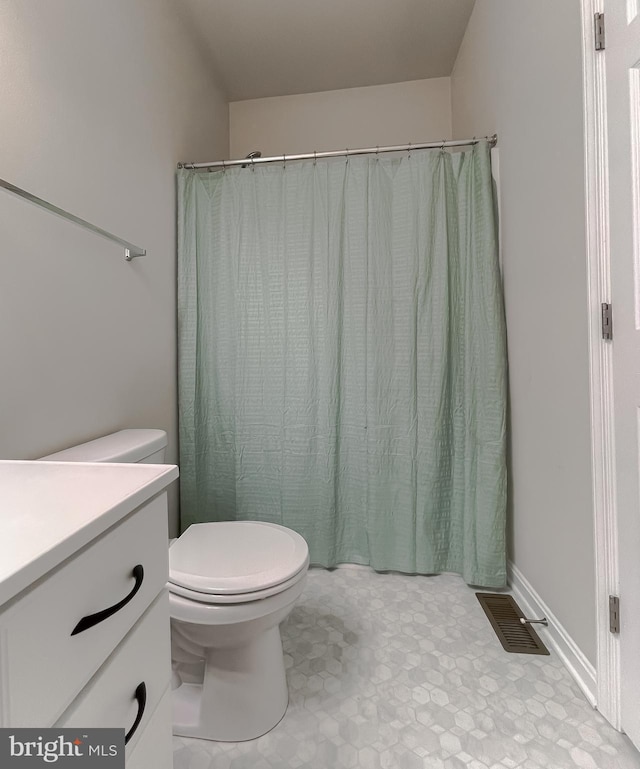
x: 279, y: 47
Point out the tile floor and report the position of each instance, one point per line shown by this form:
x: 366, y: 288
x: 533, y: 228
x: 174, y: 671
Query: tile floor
x: 395, y: 672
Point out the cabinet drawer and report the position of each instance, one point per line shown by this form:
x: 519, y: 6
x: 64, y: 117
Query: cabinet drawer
x: 155, y: 746
x: 49, y: 665
x: 143, y: 658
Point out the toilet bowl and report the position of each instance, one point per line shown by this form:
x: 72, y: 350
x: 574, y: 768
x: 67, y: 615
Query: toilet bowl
x: 230, y: 586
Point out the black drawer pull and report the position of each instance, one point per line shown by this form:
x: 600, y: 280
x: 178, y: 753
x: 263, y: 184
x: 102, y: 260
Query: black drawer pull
x: 93, y: 619
x: 141, y: 696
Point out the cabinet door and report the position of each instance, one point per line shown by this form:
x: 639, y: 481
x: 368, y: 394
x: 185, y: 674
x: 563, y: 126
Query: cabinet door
x: 143, y: 659
x: 155, y: 748
x: 45, y: 665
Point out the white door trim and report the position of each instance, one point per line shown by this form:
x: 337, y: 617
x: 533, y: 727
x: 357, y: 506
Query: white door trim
x: 601, y: 366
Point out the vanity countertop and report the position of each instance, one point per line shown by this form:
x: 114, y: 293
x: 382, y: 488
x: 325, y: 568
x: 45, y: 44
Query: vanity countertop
x: 49, y: 510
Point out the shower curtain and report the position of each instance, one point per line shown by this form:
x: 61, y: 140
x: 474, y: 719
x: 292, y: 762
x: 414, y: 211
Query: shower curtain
x: 342, y: 364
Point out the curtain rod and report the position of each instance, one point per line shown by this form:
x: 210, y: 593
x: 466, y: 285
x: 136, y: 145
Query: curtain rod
x: 493, y: 140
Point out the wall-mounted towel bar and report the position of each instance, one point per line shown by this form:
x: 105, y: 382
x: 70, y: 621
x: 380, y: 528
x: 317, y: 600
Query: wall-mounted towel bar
x: 130, y: 250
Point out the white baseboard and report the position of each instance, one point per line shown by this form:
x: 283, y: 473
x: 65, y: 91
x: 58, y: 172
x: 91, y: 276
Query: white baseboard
x: 554, y: 636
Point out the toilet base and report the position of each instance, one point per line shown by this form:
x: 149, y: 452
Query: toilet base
x: 243, y: 695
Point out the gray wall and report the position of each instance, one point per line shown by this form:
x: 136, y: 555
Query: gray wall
x: 521, y: 76
x: 98, y: 102
x: 351, y: 117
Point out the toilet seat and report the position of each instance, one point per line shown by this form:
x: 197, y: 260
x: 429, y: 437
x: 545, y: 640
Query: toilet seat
x: 237, y: 598
x: 236, y: 561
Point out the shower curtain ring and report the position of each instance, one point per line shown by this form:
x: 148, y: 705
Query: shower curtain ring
x: 315, y: 157
x: 346, y: 157
x: 409, y: 150
x: 444, y: 141
x: 224, y: 168
x: 284, y: 161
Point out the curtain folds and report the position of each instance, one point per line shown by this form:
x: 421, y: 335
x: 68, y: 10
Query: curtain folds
x: 342, y: 360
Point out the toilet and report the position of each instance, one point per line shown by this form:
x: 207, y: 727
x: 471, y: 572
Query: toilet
x: 230, y: 586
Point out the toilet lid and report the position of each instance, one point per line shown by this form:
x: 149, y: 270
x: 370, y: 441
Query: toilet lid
x: 233, y: 557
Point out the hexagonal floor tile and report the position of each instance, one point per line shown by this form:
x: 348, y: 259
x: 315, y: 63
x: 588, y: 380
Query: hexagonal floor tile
x: 388, y: 670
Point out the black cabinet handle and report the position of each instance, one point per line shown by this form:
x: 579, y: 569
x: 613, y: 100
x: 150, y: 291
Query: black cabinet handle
x: 141, y: 696
x: 93, y: 619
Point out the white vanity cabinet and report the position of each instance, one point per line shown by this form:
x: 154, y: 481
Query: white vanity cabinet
x: 84, y: 615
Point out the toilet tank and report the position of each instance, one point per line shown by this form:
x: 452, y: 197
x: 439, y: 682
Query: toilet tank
x: 146, y: 446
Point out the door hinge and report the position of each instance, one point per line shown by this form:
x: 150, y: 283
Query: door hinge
x: 607, y: 321
x: 614, y: 614
x: 598, y: 27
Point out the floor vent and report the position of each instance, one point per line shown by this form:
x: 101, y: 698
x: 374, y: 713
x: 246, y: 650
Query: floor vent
x: 504, y: 615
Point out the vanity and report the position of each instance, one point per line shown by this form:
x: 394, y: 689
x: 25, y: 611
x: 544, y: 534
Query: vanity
x: 84, y: 614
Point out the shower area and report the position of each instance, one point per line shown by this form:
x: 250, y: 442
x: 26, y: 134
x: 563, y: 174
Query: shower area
x: 342, y: 354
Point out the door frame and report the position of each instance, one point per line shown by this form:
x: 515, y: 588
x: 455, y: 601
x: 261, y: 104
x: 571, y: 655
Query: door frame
x: 608, y: 674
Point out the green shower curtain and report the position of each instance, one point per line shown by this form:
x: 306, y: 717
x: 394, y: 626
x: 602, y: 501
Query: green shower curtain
x: 342, y: 364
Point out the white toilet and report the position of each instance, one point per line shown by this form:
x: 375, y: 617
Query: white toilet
x: 230, y: 585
